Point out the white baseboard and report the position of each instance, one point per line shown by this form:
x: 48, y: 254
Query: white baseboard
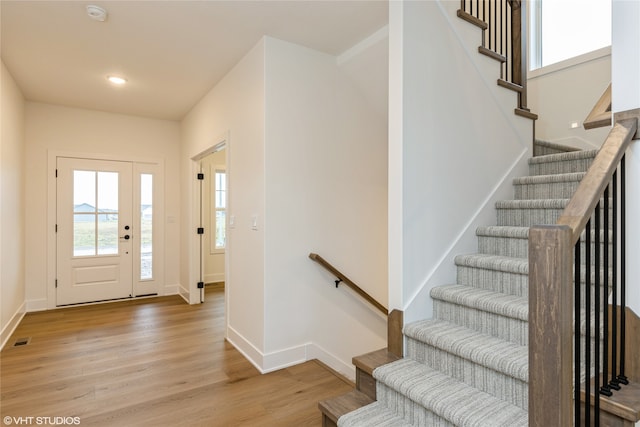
x: 214, y: 278
x: 314, y: 351
x: 281, y: 359
x: 12, y: 324
x: 184, y: 293
x: 245, y: 347
x: 171, y: 289
x: 37, y: 305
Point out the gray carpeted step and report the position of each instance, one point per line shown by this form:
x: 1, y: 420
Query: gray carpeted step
x: 542, y: 148
x: 557, y: 186
x: 577, y: 161
x: 505, y: 241
x: 493, y: 272
x: 500, y: 315
x: 407, y: 382
x: 374, y: 414
x: 527, y: 213
x: 485, y: 367
x: 469, y: 365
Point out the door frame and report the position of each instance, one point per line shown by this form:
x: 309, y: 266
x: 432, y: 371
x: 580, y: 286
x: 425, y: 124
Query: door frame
x: 52, y: 155
x: 194, y: 219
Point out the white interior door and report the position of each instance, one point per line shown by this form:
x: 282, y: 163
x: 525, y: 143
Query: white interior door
x: 95, y: 230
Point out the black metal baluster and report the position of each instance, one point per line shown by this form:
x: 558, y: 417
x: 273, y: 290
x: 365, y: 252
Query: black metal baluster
x: 501, y: 26
x: 605, y: 389
x: 597, y: 305
x: 577, y: 304
x: 495, y: 29
x: 613, y: 383
x: 587, y: 314
x: 622, y: 379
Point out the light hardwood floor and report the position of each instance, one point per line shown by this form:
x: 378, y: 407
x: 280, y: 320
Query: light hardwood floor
x: 152, y: 362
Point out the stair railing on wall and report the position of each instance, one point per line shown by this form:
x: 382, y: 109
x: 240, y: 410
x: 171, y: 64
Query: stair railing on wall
x: 504, y: 24
x: 580, y: 263
x: 395, y: 318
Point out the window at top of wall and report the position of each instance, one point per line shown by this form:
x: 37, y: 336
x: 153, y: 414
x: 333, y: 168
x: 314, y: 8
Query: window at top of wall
x: 563, y: 29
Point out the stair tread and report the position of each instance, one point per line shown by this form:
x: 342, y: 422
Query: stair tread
x: 447, y: 397
x: 625, y: 402
x: 337, y: 406
x: 483, y: 299
x: 549, y: 178
x: 369, y: 361
x: 561, y: 157
x: 503, y: 231
x: 549, y: 144
x: 502, y: 356
x: 374, y: 414
x: 494, y: 262
x: 532, y: 204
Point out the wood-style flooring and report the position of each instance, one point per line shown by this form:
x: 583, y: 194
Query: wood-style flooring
x: 151, y: 362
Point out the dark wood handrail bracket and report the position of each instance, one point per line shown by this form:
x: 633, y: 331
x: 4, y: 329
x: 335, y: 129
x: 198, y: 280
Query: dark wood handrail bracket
x: 341, y: 278
x: 561, y: 267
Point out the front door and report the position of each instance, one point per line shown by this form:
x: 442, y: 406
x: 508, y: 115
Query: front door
x: 95, y: 230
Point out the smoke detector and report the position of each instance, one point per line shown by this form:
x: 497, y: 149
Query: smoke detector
x: 96, y: 13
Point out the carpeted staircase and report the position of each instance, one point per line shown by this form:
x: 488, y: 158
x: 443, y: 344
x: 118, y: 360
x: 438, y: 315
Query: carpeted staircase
x: 468, y: 366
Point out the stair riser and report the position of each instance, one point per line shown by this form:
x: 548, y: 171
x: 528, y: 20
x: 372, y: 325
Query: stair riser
x: 523, y: 217
x: 503, y: 246
x: 509, y: 329
x: 528, y: 217
x: 553, y: 190
x: 508, y: 283
x: 410, y: 410
x: 519, y: 248
x: 568, y: 166
x: 485, y: 379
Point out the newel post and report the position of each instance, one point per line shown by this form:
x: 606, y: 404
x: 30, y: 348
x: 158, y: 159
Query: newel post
x: 550, y: 326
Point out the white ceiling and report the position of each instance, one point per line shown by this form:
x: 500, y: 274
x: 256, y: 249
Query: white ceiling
x: 171, y: 52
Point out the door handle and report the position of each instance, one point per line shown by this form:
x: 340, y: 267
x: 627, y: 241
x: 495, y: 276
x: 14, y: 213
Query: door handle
x: 126, y: 237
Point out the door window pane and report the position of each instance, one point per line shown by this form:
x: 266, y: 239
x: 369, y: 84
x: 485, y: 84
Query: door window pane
x: 107, y: 234
x: 220, y: 208
x: 220, y: 229
x: 84, y: 232
x: 95, y: 213
x: 146, y: 226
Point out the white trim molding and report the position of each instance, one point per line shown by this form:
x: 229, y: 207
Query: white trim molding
x: 11, y: 325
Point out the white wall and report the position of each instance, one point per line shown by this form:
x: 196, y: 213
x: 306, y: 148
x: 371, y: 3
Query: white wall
x: 454, y: 143
x: 326, y: 192
x: 12, y: 197
x: 306, y: 159
x: 52, y: 128
x: 625, y: 40
x: 234, y: 107
x: 566, y: 92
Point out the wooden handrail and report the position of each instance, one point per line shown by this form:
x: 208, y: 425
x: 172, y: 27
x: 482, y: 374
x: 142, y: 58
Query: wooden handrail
x: 344, y: 279
x: 584, y: 201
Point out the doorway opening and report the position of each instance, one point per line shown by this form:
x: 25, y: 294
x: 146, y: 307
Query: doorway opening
x: 212, y: 201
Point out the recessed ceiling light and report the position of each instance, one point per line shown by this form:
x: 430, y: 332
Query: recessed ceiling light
x: 117, y: 80
x: 96, y: 13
